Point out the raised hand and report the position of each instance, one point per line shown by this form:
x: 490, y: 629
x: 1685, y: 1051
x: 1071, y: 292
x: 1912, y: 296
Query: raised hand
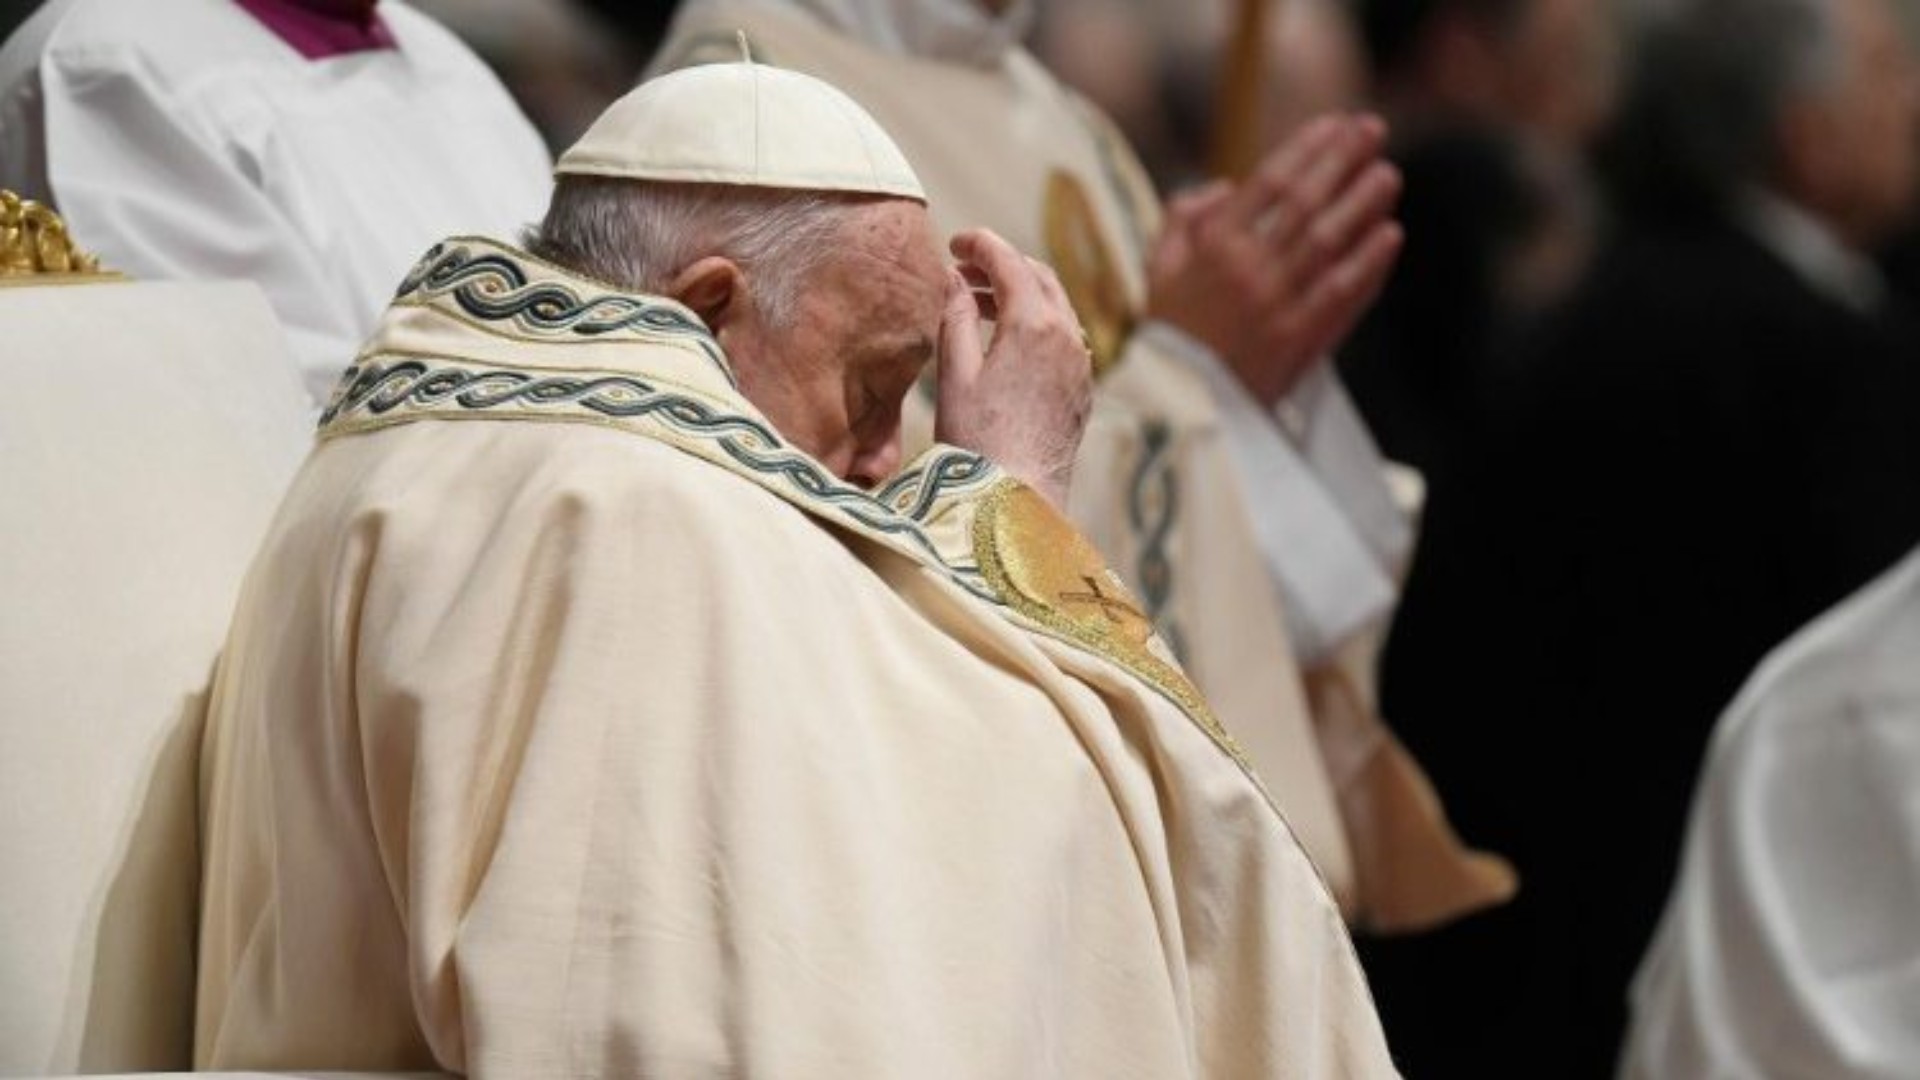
x: 1023, y: 401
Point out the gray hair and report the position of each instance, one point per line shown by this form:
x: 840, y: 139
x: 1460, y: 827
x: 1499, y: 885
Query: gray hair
x: 639, y: 235
x: 1711, y: 80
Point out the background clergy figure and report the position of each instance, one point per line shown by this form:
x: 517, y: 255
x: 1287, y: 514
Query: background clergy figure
x: 592, y: 711
x: 314, y: 147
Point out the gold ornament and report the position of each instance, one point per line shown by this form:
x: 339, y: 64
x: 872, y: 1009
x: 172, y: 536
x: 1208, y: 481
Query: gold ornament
x: 35, y: 248
x: 1088, y: 270
x: 1044, y: 569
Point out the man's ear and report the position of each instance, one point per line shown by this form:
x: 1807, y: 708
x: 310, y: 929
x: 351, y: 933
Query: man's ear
x: 714, y: 288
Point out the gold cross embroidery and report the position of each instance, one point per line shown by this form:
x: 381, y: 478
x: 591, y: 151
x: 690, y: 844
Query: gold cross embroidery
x: 1106, y: 604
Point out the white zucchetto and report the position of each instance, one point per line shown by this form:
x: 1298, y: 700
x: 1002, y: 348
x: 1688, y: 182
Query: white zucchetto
x: 746, y: 124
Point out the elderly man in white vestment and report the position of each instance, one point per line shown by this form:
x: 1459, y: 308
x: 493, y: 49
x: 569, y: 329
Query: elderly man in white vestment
x: 1224, y: 472
x: 607, y: 700
x: 311, y: 146
x: 1791, y: 945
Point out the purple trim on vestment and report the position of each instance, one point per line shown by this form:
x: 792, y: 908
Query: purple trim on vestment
x: 319, y: 34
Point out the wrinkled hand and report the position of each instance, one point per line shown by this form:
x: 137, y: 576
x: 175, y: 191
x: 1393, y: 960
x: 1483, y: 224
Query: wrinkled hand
x: 1022, y: 402
x: 1273, y: 272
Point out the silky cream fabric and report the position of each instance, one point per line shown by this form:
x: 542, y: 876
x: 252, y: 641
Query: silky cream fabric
x: 559, y: 742
x: 1153, y: 485
x: 147, y: 432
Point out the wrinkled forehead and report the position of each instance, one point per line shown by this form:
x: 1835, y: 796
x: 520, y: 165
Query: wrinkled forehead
x: 901, y: 230
x: 892, y: 245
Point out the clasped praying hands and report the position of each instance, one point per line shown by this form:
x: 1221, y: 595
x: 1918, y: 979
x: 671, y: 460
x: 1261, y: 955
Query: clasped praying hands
x: 1272, y: 272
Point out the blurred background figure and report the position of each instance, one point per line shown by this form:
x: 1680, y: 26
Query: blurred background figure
x: 1316, y: 63
x: 1154, y: 66
x: 1494, y: 104
x: 1114, y: 53
x: 315, y: 147
x: 564, y: 60
x: 1791, y: 946
x: 1711, y: 442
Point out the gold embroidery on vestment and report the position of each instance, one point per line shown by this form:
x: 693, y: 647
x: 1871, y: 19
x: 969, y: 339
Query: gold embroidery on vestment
x: 1088, y: 269
x: 1044, y: 569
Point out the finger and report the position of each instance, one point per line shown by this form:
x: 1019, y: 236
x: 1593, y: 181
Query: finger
x: 1374, y: 126
x: 1015, y: 290
x: 1062, y: 304
x: 961, y: 357
x: 1367, y: 270
x: 1350, y: 220
x: 1319, y: 186
x: 1336, y: 303
x: 1272, y: 179
x: 982, y: 289
x: 1179, y: 226
x: 1358, y: 146
x: 1196, y: 202
x: 1050, y: 287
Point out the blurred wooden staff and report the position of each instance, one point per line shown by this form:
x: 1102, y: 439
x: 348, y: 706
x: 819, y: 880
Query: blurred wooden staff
x: 1241, y: 92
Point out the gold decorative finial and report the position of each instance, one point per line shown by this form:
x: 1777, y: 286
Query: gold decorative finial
x: 35, y: 248
x: 746, y: 51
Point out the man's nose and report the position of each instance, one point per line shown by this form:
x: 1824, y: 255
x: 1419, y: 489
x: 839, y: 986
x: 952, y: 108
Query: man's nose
x: 875, y: 464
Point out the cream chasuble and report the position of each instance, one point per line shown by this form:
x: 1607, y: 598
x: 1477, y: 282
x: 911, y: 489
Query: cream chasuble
x: 997, y: 141
x: 573, y: 724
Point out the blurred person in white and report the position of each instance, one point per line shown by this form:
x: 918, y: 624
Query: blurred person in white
x: 1791, y: 946
x: 608, y: 700
x: 315, y: 147
x: 1224, y: 472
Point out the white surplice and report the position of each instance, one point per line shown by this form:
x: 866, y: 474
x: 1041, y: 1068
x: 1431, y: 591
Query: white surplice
x: 1791, y: 945
x: 184, y: 140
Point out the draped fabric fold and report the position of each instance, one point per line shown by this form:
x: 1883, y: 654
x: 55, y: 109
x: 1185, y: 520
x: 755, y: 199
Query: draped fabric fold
x: 574, y: 724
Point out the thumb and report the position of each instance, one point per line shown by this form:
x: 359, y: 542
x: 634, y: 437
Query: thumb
x: 961, y: 358
x: 1184, y: 215
x: 1195, y: 202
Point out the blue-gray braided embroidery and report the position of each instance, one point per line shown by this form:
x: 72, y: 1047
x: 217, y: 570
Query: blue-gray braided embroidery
x: 375, y: 390
x: 1153, y: 503
x: 915, y: 491
x: 494, y: 288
